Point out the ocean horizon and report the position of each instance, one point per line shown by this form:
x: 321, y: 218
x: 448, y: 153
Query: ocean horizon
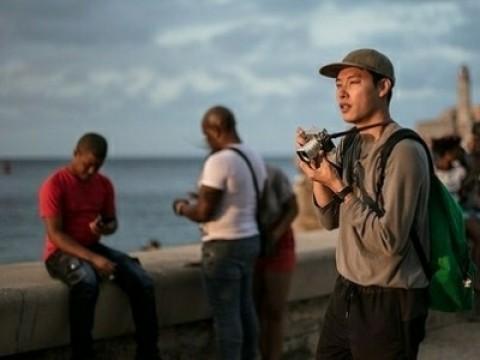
x: 145, y: 188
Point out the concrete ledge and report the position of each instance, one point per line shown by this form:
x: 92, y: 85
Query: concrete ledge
x: 34, y: 308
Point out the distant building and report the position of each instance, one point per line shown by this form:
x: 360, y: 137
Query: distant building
x: 456, y: 120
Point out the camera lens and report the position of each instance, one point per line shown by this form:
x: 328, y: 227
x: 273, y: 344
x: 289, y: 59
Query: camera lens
x: 310, y: 150
x: 303, y: 155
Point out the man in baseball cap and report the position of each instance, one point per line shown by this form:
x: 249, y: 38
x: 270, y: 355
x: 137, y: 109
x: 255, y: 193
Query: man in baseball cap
x: 379, y: 304
x: 367, y: 59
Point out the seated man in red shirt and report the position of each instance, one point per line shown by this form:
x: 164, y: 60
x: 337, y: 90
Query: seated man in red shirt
x: 77, y: 206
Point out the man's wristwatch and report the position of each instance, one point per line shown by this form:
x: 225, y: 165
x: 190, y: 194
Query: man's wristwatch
x: 342, y: 194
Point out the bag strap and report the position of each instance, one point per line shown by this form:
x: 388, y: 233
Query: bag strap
x: 255, y: 182
x: 349, y: 153
x: 348, y: 156
x: 387, y: 149
x: 393, y: 140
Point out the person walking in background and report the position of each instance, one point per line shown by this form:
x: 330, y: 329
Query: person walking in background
x: 273, y: 273
x: 470, y: 190
x: 470, y: 201
x: 77, y: 205
x: 380, y: 300
x: 226, y: 207
x: 447, y: 155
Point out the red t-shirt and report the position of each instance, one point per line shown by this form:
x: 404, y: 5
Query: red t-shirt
x: 78, y: 202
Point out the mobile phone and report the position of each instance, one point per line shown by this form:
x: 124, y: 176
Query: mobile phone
x: 104, y: 220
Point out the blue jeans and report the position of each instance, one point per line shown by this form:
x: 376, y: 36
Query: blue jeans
x: 83, y: 282
x: 228, y: 271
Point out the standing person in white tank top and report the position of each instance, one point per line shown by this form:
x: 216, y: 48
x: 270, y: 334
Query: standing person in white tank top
x: 226, y: 208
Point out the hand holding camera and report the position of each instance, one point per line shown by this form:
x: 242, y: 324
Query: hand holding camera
x: 316, y: 153
x: 314, y: 145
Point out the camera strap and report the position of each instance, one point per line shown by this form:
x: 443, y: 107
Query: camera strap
x: 350, y: 152
x: 355, y: 130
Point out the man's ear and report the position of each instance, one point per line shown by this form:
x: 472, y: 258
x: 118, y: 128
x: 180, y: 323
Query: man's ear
x: 384, y: 86
x: 217, y: 131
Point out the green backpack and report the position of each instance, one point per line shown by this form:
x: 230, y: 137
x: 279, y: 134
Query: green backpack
x: 450, y: 268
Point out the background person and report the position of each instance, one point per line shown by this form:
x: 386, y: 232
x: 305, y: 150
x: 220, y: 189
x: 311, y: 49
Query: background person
x: 225, y: 207
x: 273, y: 273
x: 470, y: 201
x: 447, y: 155
x: 77, y: 205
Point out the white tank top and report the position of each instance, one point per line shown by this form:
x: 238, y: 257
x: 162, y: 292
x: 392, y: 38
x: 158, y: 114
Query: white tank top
x: 227, y: 171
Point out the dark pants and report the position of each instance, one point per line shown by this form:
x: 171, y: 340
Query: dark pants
x: 371, y: 322
x: 228, y: 274
x: 83, y: 282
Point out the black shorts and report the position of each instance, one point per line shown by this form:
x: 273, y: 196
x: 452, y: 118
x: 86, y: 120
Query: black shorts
x: 373, y: 323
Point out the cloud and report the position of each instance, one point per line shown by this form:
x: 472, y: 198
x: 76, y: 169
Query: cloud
x: 116, y: 61
x: 25, y: 80
x: 419, y: 94
x: 80, y: 23
x: 105, y: 78
x: 281, y: 85
x: 134, y: 82
x: 144, y: 82
x: 168, y: 89
x: 440, y: 53
x: 193, y: 34
x: 220, y: 2
x: 333, y: 25
x: 139, y: 80
x: 204, y: 34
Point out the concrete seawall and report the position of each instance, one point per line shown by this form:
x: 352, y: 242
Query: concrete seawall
x: 34, y: 317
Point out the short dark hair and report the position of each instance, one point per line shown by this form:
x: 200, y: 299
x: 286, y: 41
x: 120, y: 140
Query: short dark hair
x: 93, y: 143
x: 442, y: 145
x: 376, y: 80
x: 225, y: 116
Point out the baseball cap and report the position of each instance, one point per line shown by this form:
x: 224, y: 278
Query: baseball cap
x: 368, y: 59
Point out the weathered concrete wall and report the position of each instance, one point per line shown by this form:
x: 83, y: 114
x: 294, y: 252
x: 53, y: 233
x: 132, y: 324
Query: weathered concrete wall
x: 34, y: 322
x: 195, y: 340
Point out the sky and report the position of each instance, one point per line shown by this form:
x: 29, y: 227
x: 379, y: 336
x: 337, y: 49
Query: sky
x: 143, y: 73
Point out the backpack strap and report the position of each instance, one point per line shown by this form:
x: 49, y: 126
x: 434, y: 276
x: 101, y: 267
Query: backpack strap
x: 348, y: 156
x: 387, y: 149
x: 250, y: 167
x: 265, y: 244
x: 349, y: 152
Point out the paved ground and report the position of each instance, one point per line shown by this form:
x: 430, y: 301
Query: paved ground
x: 458, y: 341
x: 454, y: 342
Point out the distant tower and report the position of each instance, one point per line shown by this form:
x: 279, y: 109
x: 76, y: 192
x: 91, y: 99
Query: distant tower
x: 464, y: 107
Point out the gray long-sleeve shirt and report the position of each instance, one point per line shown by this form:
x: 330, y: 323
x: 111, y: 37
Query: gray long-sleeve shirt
x: 376, y: 249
